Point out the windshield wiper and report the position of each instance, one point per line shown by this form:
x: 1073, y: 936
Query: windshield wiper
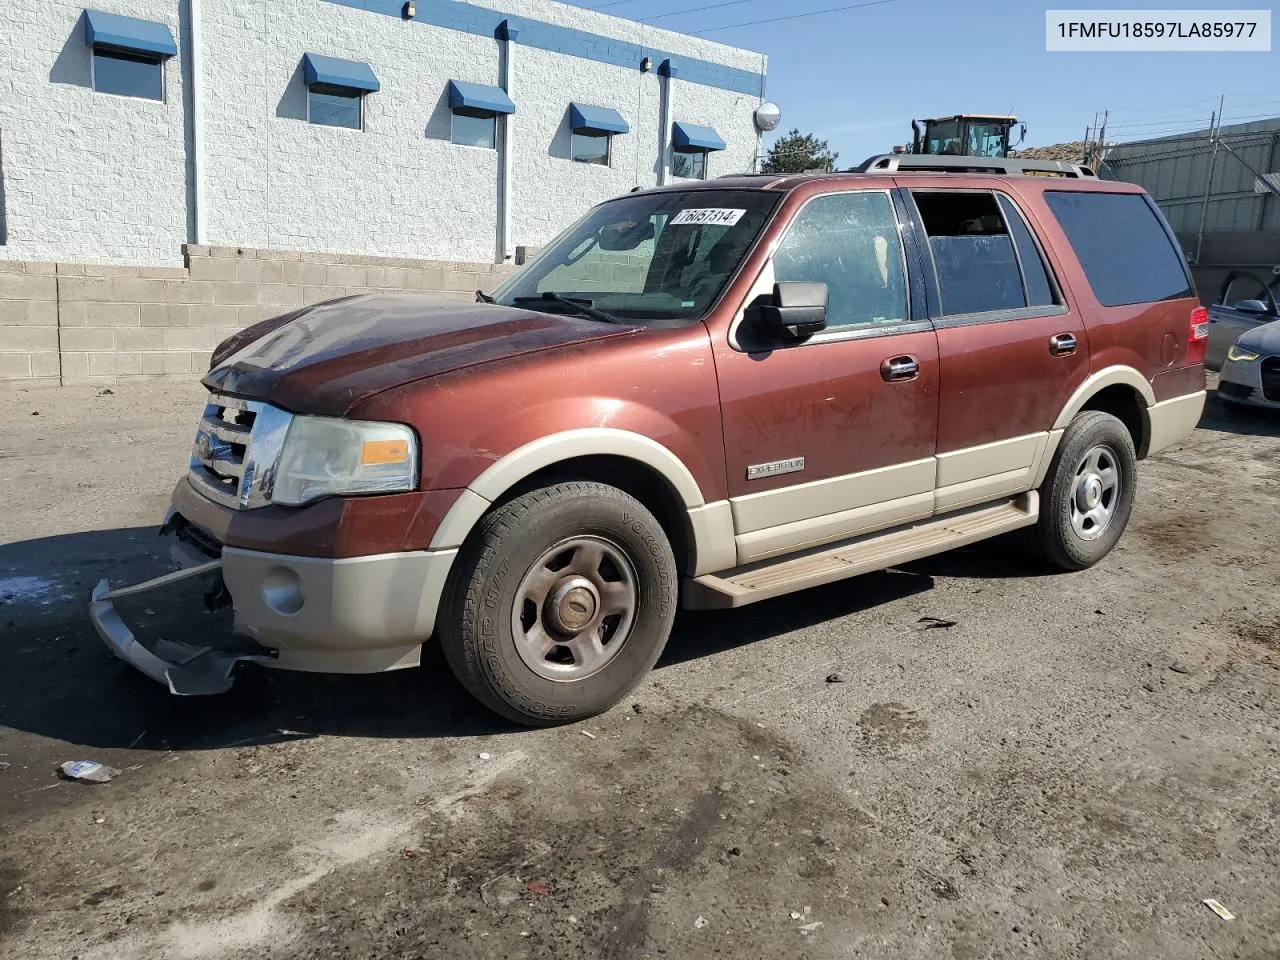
x: 482, y: 297
x: 582, y: 306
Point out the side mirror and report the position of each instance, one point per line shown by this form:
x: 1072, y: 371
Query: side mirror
x: 797, y: 309
x: 1252, y: 306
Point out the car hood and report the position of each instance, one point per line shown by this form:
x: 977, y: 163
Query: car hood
x: 325, y: 358
x: 1264, y: 339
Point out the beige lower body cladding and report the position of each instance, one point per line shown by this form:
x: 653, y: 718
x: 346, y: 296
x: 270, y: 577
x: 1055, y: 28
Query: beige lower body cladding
x: 80, y: 323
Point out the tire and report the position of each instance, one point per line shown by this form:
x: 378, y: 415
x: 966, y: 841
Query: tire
x: 538, y: 579
x: 1073, y: 533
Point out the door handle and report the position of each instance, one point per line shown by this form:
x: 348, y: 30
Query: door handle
x: 895, y: 369
x: 1063, y: 345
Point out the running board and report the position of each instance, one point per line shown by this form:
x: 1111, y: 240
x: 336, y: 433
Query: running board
x: 877, y: 551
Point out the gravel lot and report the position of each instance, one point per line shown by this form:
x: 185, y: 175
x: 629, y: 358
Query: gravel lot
x: 1068, y: 771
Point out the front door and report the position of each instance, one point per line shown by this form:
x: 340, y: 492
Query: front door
x: 1011, y: 350
x: 835, y: 435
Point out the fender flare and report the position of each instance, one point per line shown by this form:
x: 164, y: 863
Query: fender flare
x: 1115, y: 375
x: 1096, y: 382
x: 547, y: 451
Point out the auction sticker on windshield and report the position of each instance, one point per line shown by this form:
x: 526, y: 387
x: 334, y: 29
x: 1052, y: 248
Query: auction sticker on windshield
x: 723, y: 216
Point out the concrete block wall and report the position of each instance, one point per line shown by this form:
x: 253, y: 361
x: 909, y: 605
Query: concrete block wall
x: 28, y: 322
x: 75, y: 323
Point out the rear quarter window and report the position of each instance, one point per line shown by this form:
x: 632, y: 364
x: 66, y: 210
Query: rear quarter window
x: 1123, y: 246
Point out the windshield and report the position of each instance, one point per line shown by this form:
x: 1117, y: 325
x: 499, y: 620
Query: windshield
x: 987, y: 139
x: 656, y: 256
x: 943, y: 137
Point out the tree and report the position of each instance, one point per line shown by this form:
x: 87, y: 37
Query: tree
x: 796, y: 153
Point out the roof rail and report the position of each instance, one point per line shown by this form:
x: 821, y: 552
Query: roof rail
x: 934, y: 163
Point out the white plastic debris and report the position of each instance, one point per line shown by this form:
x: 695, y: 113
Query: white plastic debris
x: 588, y: 734
x: 810, y: 927
x: 796, y: 914
x: 700, y: 922
x: 1219, y: 909
x: 483, y: 756
x: 88, y: 771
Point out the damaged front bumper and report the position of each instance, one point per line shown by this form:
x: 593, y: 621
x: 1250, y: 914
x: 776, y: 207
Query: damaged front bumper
x: 186, y: 669
x: 362, y: 614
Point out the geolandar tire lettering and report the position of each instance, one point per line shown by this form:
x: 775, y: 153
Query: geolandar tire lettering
x: 1087, y: 496
x: 560, y: 603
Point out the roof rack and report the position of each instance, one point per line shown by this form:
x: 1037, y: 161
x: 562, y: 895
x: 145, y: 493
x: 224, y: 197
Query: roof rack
x: 934, y: 163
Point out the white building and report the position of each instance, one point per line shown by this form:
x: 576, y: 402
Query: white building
x: 435, y: 129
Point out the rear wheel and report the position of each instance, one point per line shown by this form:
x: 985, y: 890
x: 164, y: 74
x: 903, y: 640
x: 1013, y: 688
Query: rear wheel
x: 560, y: 603
x: 1088, y: 494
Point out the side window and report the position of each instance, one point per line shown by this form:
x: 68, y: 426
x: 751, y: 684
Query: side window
x: 973, y: 253
x: 849, y: 241
x: 1121, y: 242
x: 1035, y: 272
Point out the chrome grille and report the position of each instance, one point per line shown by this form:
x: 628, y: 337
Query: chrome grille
x: 234, y: 455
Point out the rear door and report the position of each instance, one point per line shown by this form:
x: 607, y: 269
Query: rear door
x: 1011, y: 351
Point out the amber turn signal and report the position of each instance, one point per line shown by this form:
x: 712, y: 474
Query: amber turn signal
x: 384, y: 451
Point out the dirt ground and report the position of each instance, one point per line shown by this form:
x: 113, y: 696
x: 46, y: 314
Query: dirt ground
x: 1068, y: 771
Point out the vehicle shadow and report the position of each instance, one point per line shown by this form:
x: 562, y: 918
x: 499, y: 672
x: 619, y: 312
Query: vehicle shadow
x: 1225, y: 417
x: 1000, y: 558
x: 700, y: 634
x: 59, y: 682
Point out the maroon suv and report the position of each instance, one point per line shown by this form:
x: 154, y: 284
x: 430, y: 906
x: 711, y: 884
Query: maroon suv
x: 707, y: 394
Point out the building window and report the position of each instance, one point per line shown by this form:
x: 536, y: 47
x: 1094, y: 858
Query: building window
x: 592, y: 132
x: 590, y: 148
x: 690, y: 164
x: 332, y: 106
x: 690, y: 145
x: 128, y: 74
x: 336, y: 90
x: 475, y: 108
x: 474, y: 128
x: 128, y: 54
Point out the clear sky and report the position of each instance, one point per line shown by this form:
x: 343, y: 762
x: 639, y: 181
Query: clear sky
x: 858, y: 77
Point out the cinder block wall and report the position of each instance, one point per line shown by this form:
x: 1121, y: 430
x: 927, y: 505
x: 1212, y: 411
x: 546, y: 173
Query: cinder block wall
x: 74, y: 323
x: 28, y: 321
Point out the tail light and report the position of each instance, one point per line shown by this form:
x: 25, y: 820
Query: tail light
x: 1198, y: 337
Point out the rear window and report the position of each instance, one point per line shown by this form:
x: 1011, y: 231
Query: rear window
x: 1123, y: 246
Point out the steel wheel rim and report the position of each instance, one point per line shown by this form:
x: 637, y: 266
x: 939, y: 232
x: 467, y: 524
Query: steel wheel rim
x: 1095, y: 493
x: 574, y: 608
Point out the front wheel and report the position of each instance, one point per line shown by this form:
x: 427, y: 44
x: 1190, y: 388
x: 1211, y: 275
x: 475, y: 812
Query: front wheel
x: 1088, y: 494
x: 560, y: 603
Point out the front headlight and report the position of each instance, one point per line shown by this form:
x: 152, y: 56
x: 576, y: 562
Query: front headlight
x: 326, y: 456
x: 1237, y: 355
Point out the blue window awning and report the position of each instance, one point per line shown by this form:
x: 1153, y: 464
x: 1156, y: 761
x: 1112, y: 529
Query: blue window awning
x: 339, y: 73
x: 584, y: 118
x: 690, y: 136
x: 477, y: 96
x: 115, y: 32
